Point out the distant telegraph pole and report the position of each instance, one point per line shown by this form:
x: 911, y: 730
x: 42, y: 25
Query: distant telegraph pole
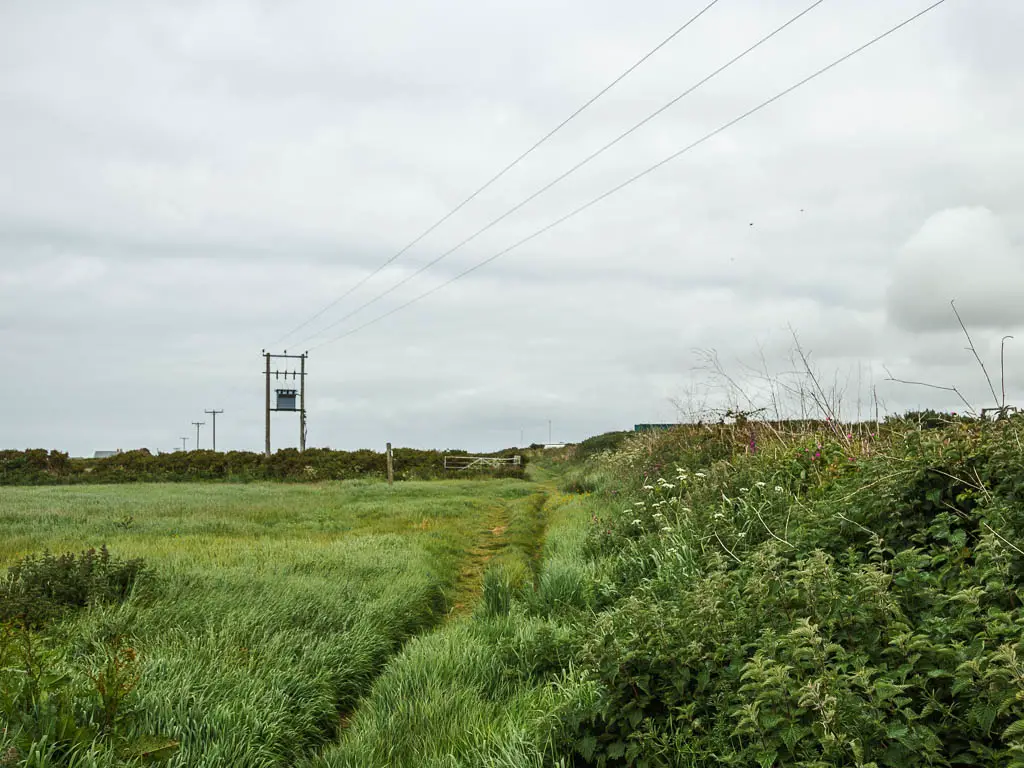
x: 197, y: 425
x: 286, y: 398
x: 183, y: 441
x: 214, y: 413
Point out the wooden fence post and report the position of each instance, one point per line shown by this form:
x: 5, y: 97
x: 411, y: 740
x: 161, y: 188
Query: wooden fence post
x: 391, y: 467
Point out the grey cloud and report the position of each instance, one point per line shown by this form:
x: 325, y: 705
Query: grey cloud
x: 960, y: 254
x: 185, y: 185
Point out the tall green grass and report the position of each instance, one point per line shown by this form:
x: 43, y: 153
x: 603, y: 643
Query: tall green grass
x: 495, y: 688
x: 455, y: 698
x: 272, y: 608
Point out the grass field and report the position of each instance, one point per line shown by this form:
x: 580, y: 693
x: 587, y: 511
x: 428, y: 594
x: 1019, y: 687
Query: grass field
x: 775, y: 594
x: 273, y: 607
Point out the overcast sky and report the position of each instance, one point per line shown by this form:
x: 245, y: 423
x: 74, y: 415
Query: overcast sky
x: 182, y: 183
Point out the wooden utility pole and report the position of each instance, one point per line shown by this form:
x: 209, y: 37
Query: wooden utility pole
x: 197, y: 425
x: 302, y: 403
x: 267, y: 355
x: 183, y: 441
x: 214, y: 412
x: 391, y: 467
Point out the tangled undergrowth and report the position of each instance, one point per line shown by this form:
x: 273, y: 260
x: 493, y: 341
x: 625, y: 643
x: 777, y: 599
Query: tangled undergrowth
x: 56, y: 710
x: 816, y: 598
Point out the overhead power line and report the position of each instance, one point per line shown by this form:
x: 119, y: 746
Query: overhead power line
x: 502, y: 172
x: 637, y: 177
x: 557, y: 180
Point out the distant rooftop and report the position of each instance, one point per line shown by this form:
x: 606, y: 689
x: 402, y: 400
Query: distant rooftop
x: 105, y: 454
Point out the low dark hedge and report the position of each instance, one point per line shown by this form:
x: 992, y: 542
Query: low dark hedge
x: 41, y: 467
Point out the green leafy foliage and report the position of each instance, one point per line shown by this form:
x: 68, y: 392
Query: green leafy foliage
x: 39, y: 588
x: 592, y: 446
x: 50, y: 709
x: 34, y: 466
x: 37, y: 698
x: 833, y: 597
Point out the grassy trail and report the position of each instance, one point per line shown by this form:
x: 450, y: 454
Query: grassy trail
x: 512, y: 530
x: 451, y: 696
x: 490, y: 540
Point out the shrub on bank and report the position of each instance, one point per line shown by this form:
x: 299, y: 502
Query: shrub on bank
x: 830, y: 597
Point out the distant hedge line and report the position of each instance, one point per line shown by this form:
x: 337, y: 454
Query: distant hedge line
x: 42, y: 467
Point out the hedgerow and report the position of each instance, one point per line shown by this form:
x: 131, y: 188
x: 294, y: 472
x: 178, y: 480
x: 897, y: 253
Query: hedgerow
x: 40, y: 467
x: 826, y: 597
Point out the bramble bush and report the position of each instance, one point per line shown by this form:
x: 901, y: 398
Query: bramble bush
x: 822, y: 597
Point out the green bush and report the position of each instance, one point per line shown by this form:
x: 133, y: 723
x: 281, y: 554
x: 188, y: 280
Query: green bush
x: 33, y: 467
x: 609, y: 441
x: 39, y: 588
x: 52, y: 713
x: 824, y: 600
